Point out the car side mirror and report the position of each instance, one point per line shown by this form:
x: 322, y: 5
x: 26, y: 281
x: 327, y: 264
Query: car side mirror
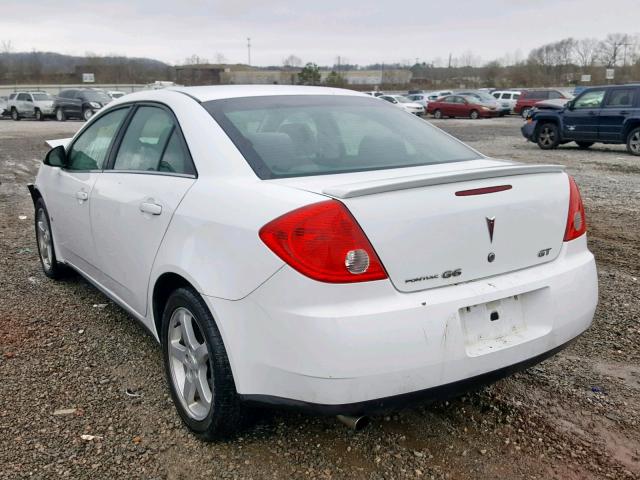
x: 56, y: 157
x: 569, y: 105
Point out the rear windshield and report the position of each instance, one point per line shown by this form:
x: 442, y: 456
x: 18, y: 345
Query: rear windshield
x: 301, y: 135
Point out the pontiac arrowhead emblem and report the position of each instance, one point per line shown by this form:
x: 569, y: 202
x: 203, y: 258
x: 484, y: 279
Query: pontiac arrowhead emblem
x: 491, y: 221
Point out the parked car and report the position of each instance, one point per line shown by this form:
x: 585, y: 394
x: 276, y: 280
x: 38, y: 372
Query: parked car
x: 79, y: 103
x: 438, y: 94
x: 36, y: 105
x: 415, y: 92
x: 486, y: 99
x: 461, y: 106
x: 609, y: 114
x: 420, y: 99
x: 529, y: 98
x: 3, y: 106
x: 321, y: 284
x: 404, y: 103
x: 507, y: 98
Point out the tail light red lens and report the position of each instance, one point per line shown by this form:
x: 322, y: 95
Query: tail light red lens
x: 324, y: 242
x: 576, y: 221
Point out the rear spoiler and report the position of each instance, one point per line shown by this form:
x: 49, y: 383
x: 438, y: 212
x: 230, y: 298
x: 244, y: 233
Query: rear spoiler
x: 56, y: 143
x: 425, y: 180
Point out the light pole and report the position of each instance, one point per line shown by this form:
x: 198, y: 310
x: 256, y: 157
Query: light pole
x: 248, y: 51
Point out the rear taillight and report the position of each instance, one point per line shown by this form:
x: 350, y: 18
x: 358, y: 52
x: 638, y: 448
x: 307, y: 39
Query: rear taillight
x: 324, y: 242
x: 576, y: 221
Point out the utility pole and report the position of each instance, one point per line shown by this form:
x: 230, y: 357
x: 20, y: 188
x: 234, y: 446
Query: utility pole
x: 449, y: 60
x: 338, y: 64
x: 248, y: 51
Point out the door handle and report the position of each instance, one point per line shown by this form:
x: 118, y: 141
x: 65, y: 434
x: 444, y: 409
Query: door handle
x: 152, y: 208
x: 624, y: 112
x: 82, y: 195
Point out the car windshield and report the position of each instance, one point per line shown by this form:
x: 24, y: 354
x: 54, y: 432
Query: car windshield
x: 40, y: 97
x: 95, y: 96
x: 300, y: 135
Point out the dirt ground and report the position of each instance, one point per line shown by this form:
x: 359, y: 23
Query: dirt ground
x: 68, y: 356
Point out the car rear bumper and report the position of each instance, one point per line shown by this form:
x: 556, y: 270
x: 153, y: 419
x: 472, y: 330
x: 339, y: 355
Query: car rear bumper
x: 356, y: 347
x: 528, y: 130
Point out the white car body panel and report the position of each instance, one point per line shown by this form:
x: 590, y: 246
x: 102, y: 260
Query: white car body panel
x: 291, y: 337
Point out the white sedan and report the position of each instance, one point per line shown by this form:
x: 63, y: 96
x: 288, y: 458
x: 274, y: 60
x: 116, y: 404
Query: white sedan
x: 314, y: 248
x: 404, y: 103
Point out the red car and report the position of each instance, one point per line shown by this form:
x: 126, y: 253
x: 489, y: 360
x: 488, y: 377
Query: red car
x: 529, y: 98
x: 460, y: 106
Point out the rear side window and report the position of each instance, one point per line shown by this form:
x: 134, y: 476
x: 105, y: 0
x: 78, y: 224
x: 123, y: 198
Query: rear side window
x: 90, y: 149
x: 152, y: 144
x: 22, y: 96
x: 516, y: 96
x: 621, y: 98
x: 506, y: 96
x: 301, y: 135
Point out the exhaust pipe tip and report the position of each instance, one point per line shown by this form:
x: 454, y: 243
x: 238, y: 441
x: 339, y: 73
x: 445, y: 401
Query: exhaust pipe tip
x: 355, y: 423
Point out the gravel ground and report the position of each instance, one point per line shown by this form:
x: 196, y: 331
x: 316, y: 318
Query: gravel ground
x: 68, y: 356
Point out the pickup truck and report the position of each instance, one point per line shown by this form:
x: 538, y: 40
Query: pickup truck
x: 30, y: 104
x: 609, y: 114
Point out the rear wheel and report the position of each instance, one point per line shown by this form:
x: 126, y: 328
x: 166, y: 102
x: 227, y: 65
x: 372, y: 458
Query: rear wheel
x: 197, y: 367
x: 474, y: 115
x: 50, y: 265
x: 60, y: 116
x: 14, y: 114
x: 584, y: 145
x: 633, y: 141
x: 437, y: 114
x: 548, y: 138
x: 38, y: 115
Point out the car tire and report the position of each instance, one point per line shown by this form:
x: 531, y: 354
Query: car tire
x: 44, y: 240
x: 87, y: 113
x: 60, y: 115
x: 203, y: 389
x: 584, y: 145
x: 633, y: 141
x: 474, y: 115
x: 14, y: 114
x: 437, y: 114
x: 548, y: 136
x: 525, y: 112
x: 38, y: 115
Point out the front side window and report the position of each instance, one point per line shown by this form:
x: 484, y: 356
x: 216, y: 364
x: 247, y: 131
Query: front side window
x: 553, y: 94
x: 592, y: 99
x: 301, y: 135
x: 152, y: 144
x: 90, y: 149
x: 621, y: 98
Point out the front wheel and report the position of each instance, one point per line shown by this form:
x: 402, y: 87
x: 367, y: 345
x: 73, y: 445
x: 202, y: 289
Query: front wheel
x: 60, y: 116
x: 197, y: 367
x: 525, y: 112
x: 474, y: 115
x: 584, y: 145
x: 14, y: 114
x: 50, y: 265
x: 548, y: 137
x: 437, y: 114
x: 87, y: 114
x: 633, y: 141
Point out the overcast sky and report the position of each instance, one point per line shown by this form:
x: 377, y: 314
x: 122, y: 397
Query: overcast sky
x: 359, y: 31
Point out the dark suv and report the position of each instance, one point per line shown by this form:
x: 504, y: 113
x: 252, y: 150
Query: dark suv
x: 609, y: 114
x: 79, y: 103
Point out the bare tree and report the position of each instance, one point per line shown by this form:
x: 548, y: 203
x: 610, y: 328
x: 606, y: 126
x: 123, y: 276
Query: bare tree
x: 220, y: 58
x: 292, y: 61
x: 469, y: 59
x: 6, y: 46
x: 610, y: 50
x: 585, y: 51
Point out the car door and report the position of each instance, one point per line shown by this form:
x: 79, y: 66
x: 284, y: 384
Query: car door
x: 21, y: 103
x: 68, y: 190
x: 134, y: 199
x: 617, y: 108
x: 448, y: 106
x: 580, y: 119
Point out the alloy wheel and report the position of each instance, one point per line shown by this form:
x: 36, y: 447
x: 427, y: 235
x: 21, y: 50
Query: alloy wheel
x: 634, y: 143
x: 189, y: 363
x: 547, y: 136
x: 45, y: 246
